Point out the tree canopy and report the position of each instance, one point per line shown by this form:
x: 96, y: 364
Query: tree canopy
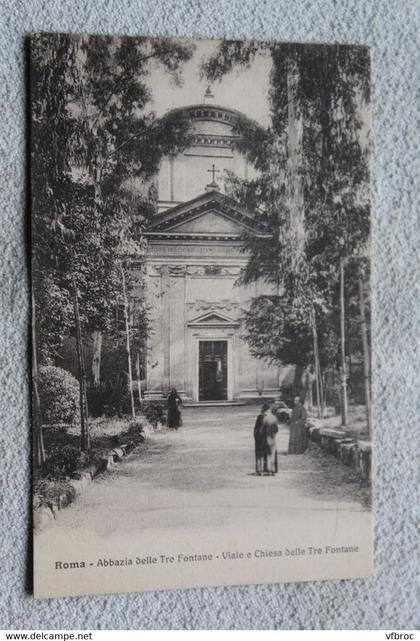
x: 93, y: 136
x: 311, y: 192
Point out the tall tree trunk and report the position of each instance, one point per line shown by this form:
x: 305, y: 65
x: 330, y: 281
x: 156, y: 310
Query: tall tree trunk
x: 349, y: 348
x: 38, y: 436
x: 96, y: 357
x: 318, y: 377
x: 310, y: 382
x: 343, y: 348
x: 294, y: 185
x: 321, y: 390
x: 366, y: 353
x: 127, y: 343
x: 294, y: 177
x: 138, y: 374
x: 84, y: 425
x: 321, y: 385
x: 297, y: 382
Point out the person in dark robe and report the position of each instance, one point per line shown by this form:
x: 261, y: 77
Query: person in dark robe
x: 270, y: 427
x: 259, y: 438
x: 298, y: 440
x: 174, y: 413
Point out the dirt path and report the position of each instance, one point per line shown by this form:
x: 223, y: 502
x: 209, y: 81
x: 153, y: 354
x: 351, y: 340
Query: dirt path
x: 209, y: 463
x: 194, y: 492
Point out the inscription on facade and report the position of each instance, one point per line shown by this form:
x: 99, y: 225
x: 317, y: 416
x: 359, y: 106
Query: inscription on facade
x: 211, y: 271
x: 176, y: 250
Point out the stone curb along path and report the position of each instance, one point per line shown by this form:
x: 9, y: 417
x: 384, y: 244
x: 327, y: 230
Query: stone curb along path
x: 44, y: 515
x: 349, y: 451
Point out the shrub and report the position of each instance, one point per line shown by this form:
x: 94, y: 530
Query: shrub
x: 96, y: 398
x: 110, y: 398
x: 136, y: 429
x: 287, y: 394
x: 59, y: 395
x: 334, y: 397
x: 153, y: 413
x: 64, y: 462
x: 53, y: 493
x: 56, y: 435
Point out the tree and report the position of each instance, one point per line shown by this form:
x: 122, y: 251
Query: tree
x: 38, y: 447
x: 312, y: 192
x: 92, y: 133
x: 49, y: 109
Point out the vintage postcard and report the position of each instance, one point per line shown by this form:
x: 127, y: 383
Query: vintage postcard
x: 201, y: 313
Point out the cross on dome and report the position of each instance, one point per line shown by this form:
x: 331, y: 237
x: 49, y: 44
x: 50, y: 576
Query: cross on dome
x: 213, y: 186
x: 213, y: 171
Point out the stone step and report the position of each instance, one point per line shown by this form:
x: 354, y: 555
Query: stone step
x: 215, y: 404
x: 331, y: 433
x: 347, y: 443
x: 365, y: 446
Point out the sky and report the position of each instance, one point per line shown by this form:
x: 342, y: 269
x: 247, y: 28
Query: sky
x: 243, y: 89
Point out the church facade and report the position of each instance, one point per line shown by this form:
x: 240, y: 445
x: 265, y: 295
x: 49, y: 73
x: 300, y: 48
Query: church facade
x: 194, y: 259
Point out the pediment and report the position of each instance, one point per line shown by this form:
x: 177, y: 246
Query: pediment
x: 211, y: 215
x: 210, y: 222
x: 213, y: 319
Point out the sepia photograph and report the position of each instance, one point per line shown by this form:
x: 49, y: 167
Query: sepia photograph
x: 201, y: 303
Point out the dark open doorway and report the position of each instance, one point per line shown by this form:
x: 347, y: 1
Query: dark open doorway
x: 212, y: 370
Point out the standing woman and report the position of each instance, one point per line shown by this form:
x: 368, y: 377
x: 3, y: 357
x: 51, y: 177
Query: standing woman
x: 260, y: 448
x: 270, y: 429
x: 298, y: 440
x: 174, y: 414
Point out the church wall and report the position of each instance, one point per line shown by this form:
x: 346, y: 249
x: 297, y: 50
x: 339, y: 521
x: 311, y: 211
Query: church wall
x: 211, y: 152
x: 214, y: 289
x: 197, y: 168
x: 212, y: 127
x: 194, y: 279
x: 179, y: 187
x: 173, y: 186
x: 154, y: 360
x: 184, y: 177
x: 183, y: 289
x: 177, y: 334
x: 164, y: 180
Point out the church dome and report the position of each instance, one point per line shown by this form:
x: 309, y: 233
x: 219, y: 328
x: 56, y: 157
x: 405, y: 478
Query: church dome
x: 205, y: 163
x: 213, y: 124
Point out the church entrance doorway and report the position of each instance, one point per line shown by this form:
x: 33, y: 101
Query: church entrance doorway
x: 212, y: 371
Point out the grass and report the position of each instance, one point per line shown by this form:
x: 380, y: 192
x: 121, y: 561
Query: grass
x: 51, y: 487
x: 356, y: 422
x: 105, y: 434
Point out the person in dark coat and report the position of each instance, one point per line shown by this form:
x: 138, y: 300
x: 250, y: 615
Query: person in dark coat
x: 270, y: 427
x: 260, y: 447
x: 298, y: 440
x: 174, y: 414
